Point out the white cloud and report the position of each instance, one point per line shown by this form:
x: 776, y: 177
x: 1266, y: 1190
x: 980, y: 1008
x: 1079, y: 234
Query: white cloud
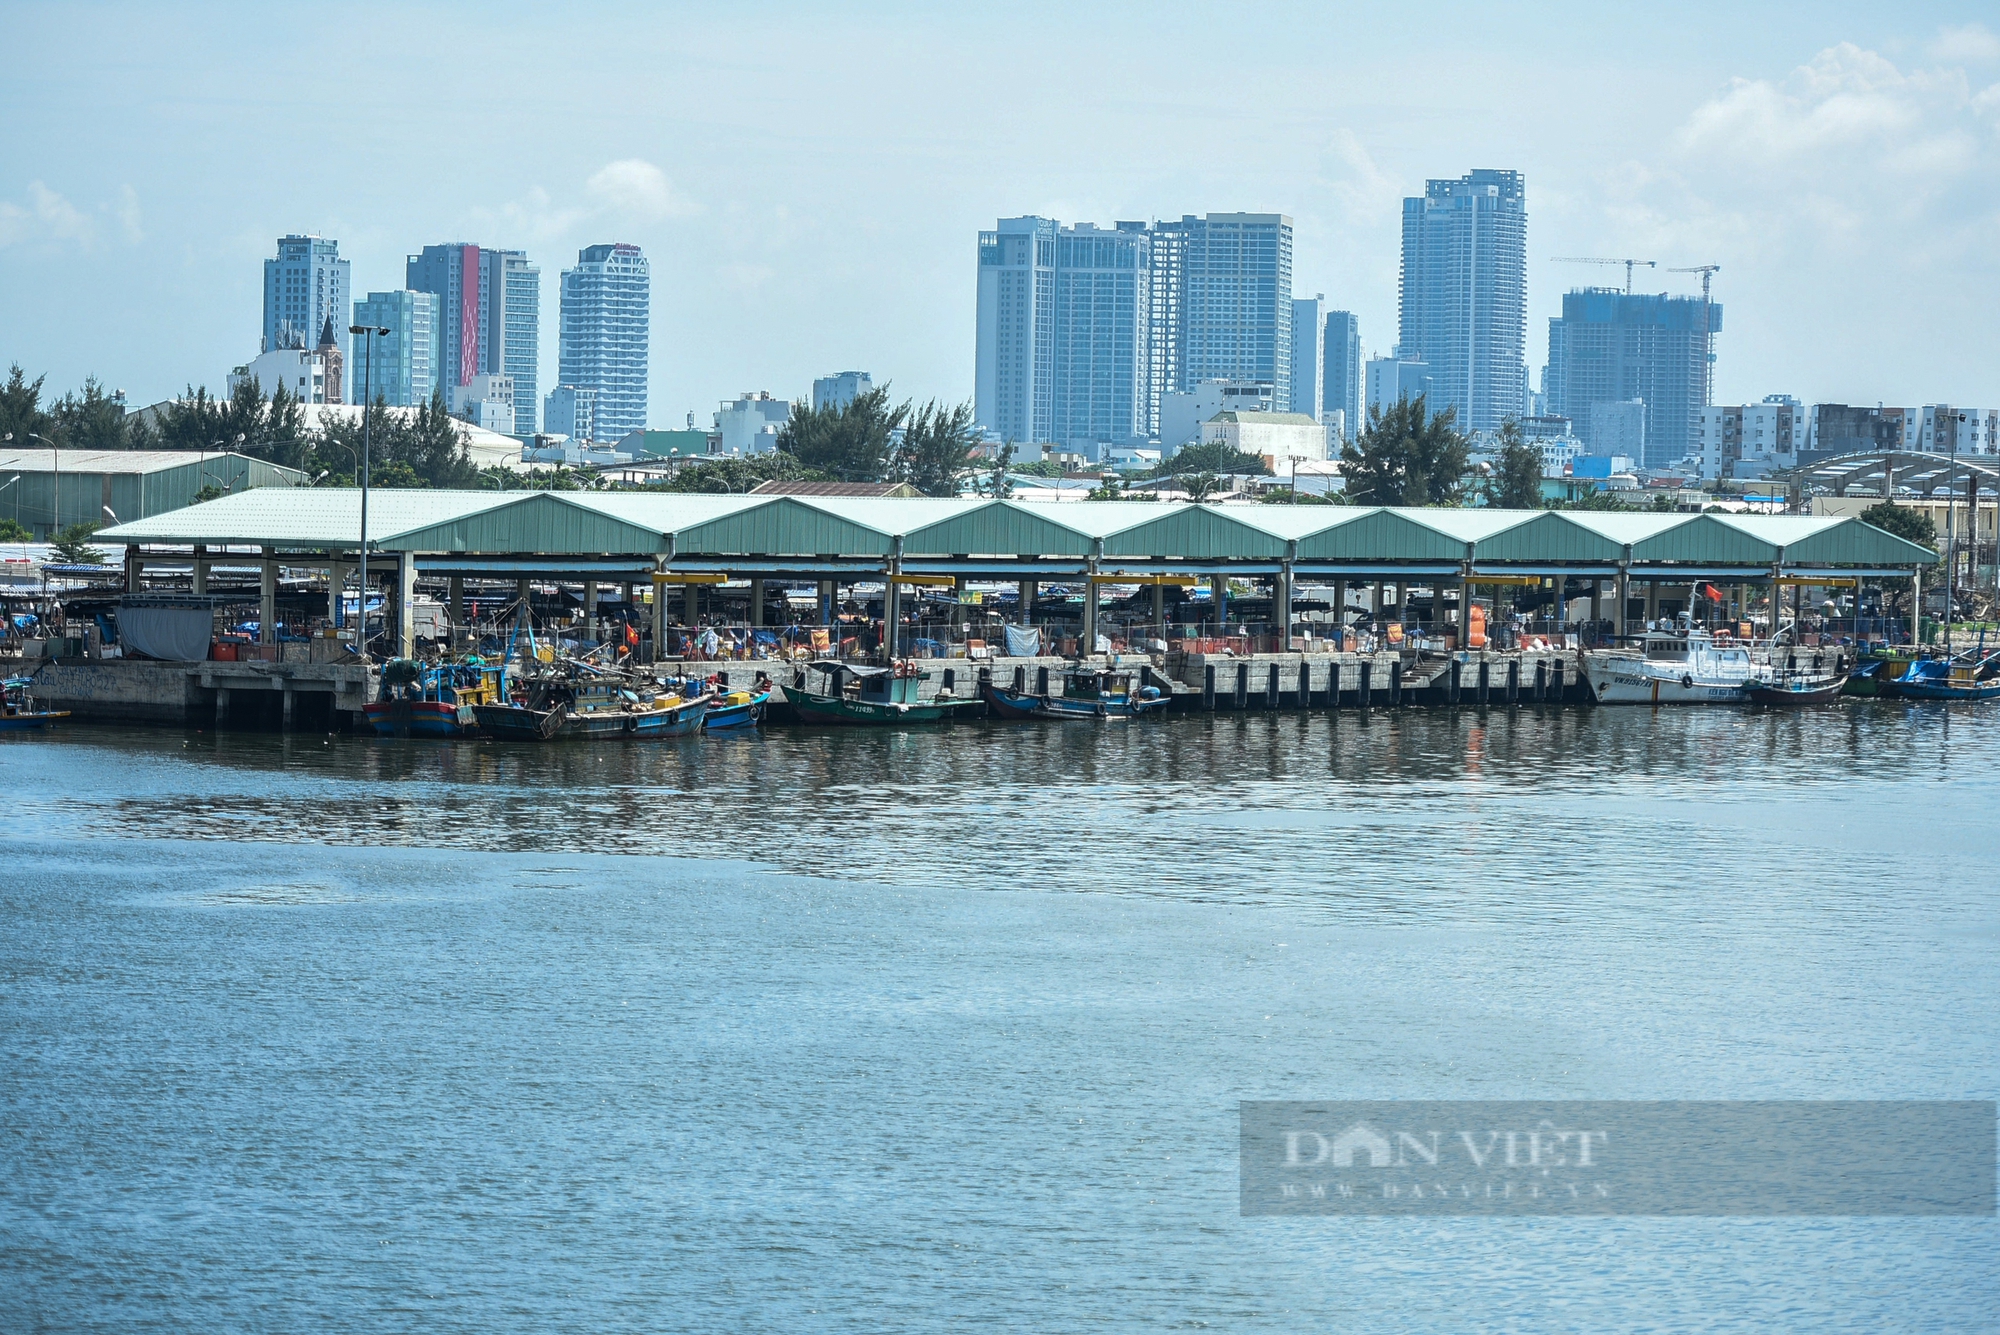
x: 128, y: 215
x: 636, y: 189
x: 47, y: 216
x: 1361, y: 188
x: 1973, y: 44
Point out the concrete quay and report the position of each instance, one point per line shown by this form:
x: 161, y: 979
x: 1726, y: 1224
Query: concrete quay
x: 256, y: 695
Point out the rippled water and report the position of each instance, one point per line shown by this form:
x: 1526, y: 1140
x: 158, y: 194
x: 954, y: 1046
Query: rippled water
x: 929, y: 1030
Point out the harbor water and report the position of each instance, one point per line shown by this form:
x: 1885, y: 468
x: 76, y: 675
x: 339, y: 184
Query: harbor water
x: 931, y: 1030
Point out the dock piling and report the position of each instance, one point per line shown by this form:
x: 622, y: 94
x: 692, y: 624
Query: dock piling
x: 1208, y: 688
x: 1514, y: 682
x: 1333, y: 685
x: 1367, y: 683
x: 1456, y: 668
x: 1395, y: 683
x: 1541, y: 680
x: 1042, y: 680
x: 1271, y: 689
x: 1484, y: 677
x: 1305, y: 685
x: 1242, y: 685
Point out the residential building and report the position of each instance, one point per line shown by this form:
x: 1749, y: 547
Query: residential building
x: 1082, y: 330
x: 304, y: 287
x: 1609, y: 347
x: 1181, y: 414
x: 750, y: 423
x: 1343, y: 383
x: 1278, y: 438
x: 488, y: 401
x: 571, y: 410
x: 1014, y: 383
x: 1309, y: 356
x: 1748, y: 441
x: 490, y: 306
x: 302, y: 371
x: 1838, y: 428
x: 841, y: 388
x: 1236, y: 301
x: 1943, y: 428
x: 1100, y: 394
x: 399, y: 367
x: 1616, y: 427
x: 1464, y: 294
x: 1393, y: 378
x: 606, y: 316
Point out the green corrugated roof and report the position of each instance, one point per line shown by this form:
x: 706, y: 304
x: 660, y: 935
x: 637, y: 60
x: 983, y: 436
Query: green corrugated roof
x: 633, y: 523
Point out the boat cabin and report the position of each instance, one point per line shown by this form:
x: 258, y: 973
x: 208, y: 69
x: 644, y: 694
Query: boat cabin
x: 870, y: 685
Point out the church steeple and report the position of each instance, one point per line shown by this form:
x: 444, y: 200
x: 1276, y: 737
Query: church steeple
x: 331, y: 360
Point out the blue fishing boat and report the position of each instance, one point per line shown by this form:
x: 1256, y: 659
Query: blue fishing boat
x: 1087, y: 695
x: 1951, y: 679
x: 577, y: 702
x: 17, y: 708
x: 737, y: 709
x: 434, y: 699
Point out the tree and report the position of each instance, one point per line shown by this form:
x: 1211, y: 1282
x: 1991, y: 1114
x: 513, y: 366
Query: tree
x: 1406, y: 456
x: 426, y: 443
x: 1516, y: 483
x: 21, y: 409
x: 1200, y: 486
x: 90, y: 419
x: 1289, y: 497
x: 998, y: 485
x: 72, y: 546
x: 848, y: 442
x: 739, y: 475
x: 1215, y: 457
x: 13, y: 530
x: 1902, y: 521
x: 936, y: 451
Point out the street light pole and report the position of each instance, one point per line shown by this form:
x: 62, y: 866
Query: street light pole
x: 55, y: 462
x: 368, y: 333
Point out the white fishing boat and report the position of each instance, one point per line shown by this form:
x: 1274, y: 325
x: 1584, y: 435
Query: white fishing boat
x: 1684, y: 667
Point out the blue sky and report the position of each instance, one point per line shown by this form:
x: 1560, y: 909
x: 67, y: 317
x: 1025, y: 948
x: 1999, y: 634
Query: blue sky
x: 808, y: 181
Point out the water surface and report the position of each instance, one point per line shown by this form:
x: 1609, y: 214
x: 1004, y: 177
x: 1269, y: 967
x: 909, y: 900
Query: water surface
x: 930, y: 1030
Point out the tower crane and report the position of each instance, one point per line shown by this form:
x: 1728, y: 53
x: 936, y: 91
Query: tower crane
x: 1629, y: 266
x: 1707, y: 271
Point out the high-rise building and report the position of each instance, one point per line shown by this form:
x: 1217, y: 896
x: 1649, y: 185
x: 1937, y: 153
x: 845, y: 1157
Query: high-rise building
x: 570, y: 410
x: 1613, y: 347
x: 1082, y: 329
x: 1393, y: 378
x: 1465, y: 294
x: 401, y: 366
x: 491, y: 308
x: 306, y: 285
x: 841, y: 388
x: 1343, y: 382
x: 1100, y: 391
x: 1309, y: 356
x: 1750, y: 440
x: 605, y: 339
x: 1617, y: 427
x: 1013, y: 387
x: 1236, y: 305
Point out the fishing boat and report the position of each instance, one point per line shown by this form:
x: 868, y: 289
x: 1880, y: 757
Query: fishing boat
x: 1687, y: 667
x: 1952, y: 679
x: 17, y: 708
x: 434, y: 699
x: 878, y: 697
x: 575, y: 700
x: 736, y: 709
x: 1796, y: 688
x: 1087, y: 695
x: 1876, y: 674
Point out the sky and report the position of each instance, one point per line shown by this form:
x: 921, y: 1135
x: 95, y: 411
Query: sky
x: 808, y: 180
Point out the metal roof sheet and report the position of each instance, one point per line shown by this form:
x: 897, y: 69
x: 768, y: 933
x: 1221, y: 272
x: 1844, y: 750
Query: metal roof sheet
x: 118, y: 462
x: 305, y: 516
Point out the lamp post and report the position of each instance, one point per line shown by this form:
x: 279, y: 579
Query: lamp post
x: 368, y: 334
x: 1950, y: 528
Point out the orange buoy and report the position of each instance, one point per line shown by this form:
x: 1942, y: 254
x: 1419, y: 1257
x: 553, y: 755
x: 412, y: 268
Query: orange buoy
x: 1475, y: 630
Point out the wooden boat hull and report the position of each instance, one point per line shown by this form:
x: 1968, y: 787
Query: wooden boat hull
x: 31, y: 721
x: 421, y: 718
x: 1816, y: 693
x: 831, y: 710
x: 1938, y: 690
x: 1876, y: 680
x: 722, y: 718
x: 517, y: 723
x: 1019, y: 705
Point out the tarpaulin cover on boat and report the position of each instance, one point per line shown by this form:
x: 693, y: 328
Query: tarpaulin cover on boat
x: 159, y: 628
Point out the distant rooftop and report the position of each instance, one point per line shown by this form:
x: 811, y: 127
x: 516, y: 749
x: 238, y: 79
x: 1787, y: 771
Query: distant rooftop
x: 833, y: 489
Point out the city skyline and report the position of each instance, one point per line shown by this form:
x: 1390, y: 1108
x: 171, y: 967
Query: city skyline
x: 1726, y: 148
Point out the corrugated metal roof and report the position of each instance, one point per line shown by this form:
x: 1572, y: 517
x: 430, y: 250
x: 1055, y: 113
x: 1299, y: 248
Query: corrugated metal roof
x: 305, y: 516
x: 117, y: 462
x: 640, y: 523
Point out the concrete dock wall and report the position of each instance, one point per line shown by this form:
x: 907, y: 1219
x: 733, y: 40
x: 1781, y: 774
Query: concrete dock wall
x: 205, y: 694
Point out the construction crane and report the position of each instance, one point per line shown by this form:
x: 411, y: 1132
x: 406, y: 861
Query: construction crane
x: 1629, y: 266
x: 1707, y: 271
